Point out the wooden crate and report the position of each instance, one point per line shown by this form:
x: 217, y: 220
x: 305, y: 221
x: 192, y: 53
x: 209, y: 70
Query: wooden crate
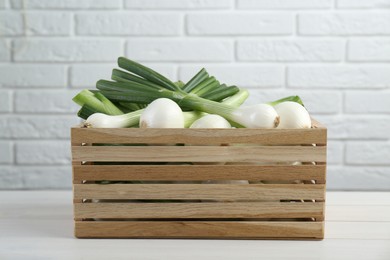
x: 167, y: 199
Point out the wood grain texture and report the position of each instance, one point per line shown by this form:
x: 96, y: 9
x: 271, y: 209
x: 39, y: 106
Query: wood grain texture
x: 199, y: 153
x: 198, y: 229
x: 199, y: 210
x: 198, y: 172
x: 200, y: 191
x: 199, y: 136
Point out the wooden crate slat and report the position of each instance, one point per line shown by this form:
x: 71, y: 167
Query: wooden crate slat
x: 198, y: 229
x: 199, y: 153
x: 200, y: 191
x: 198, y: 172
x: 200, y: 210
x: 199, y: 136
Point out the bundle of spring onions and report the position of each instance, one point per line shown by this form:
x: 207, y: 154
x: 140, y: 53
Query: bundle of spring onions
x: 137, y: 96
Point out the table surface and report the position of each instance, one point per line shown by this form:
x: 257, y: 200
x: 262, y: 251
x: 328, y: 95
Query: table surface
x: 39, y: 225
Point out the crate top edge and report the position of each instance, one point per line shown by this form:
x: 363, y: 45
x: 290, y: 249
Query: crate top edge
x: 315, y: 135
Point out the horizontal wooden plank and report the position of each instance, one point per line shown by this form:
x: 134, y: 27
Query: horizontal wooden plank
x: 198, y: 172
x: 199, y: 153
x: 199, y: 210
x: 198, y: 136
x: 200, y: 191
x: 198, y: 229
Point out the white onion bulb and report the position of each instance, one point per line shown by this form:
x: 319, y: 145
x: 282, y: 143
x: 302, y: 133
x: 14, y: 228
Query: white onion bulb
x: 211, y: 121
x: 292, y: 115
x: 100, y: 120
x: 162, y: 113
x: 257, y: 116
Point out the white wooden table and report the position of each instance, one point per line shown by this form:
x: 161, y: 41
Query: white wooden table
x: 39, y: 225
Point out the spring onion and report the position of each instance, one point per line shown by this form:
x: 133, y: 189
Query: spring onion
x: 85, y: 111
x: 100, y: 120
x: 146, y: 73
x: 162, y: 113
x: 205, y: 86
x: 296, y: 99
x: 211, y: 121
x: 293, y: 115
x: 197, y: 79
x: 96, y: 101
x: 131, y: 106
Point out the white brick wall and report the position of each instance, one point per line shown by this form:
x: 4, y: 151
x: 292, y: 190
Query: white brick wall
x: 68, y: 4
x: 178, y: 4
x: 42, y: 152
x: 249, y: 75
x: 344, y: 23
x: 5, y: 101
x: 4, y: 55
x: 340, y: 76
x: 333, y: 53
x: 237, y: 23
x: 86, y: 75
x: 70, y: 50
x: 180, y: 50
x: 6, y: 153
x: 37, y: 23
x: 369, y: 50
x: 128, y: 23
x: 45, y: 101
x: 363, y: 4
x: 359, y: 102
x: 290, y: 50
x: 284, y: 4
x: 36, y: 126
x: 15, y: 75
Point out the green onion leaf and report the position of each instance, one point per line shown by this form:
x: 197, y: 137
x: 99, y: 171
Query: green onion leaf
x: 146, y: 73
